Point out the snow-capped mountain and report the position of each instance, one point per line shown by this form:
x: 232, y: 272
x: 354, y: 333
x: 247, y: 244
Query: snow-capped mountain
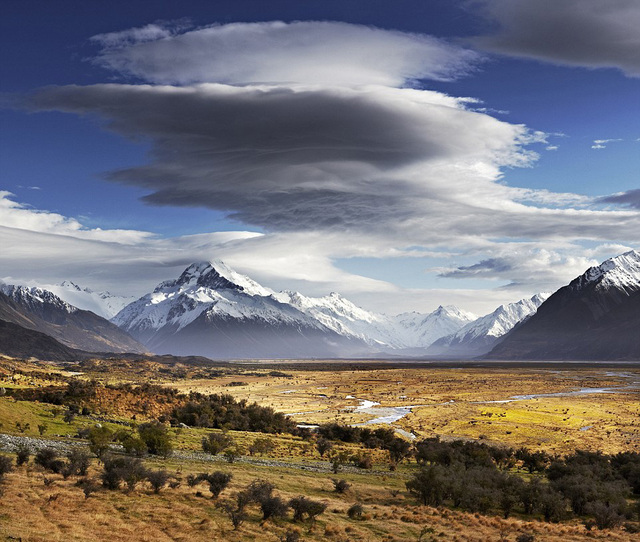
x: 415, y: 330
x: 103, y: 304
x: 210, y: 306
x: 213, y: 311
x: 480, y: 336
x: 596, y: 316
x: 40, y: 310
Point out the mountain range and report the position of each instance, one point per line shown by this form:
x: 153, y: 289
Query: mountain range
x: 40, y: 310
x: 595, y: 317
x: 211, y: 310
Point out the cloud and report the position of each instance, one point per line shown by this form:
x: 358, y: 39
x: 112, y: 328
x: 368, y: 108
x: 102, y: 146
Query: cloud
x: 602, y: 143
x: 587, y: 33
x: 309, y: 52
x: 525, y: 265
x: 304, y: 158
x: 630, y: 198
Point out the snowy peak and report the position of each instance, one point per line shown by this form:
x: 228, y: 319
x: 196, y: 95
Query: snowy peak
x: 34, y: 297
x: 621, y: 272
x: 477, y: 337
x: 103, y: 304
x: 214, y: 275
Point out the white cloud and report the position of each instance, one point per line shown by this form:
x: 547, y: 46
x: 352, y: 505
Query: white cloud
x: 588, y: 33
x: 310, y: 52
x: 602, y: 143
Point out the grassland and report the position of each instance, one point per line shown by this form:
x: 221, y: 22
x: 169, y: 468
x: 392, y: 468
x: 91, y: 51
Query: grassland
x: 448, y: 402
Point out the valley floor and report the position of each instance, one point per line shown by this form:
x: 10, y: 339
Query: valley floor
x: 552, y: 408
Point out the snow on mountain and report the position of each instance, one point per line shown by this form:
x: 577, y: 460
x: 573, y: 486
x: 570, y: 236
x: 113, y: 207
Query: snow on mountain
x: 103, y: 304
x: 621, y: 273
x: 595, y: 317
x: 415, y: 330
x: 209, y: 293
x: 35, y: 298
x: 211, y: 289
x: 40, y: 310
x: 478, y: 337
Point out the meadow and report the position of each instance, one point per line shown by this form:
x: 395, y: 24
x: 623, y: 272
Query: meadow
x: 554, y: 409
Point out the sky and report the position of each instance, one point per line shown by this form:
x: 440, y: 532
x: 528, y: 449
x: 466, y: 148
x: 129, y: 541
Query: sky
x: 406, y: 154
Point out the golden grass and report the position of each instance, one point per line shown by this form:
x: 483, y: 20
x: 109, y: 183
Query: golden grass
x: 29, y: 513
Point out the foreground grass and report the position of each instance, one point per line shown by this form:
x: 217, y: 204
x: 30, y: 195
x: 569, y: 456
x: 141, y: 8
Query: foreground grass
x: 32, y: 511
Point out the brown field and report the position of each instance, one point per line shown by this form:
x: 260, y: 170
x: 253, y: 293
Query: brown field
x: 446, y: 401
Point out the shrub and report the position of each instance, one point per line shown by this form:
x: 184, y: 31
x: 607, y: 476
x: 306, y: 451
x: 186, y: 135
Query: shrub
x: 231, y: 454
x: 133, y: 444
x: 6, y: 466
x: 323, y: 446
x: 273, y: 507
x: 302, y: 505
x: 216, y: 443
x: 525, y: 537
x: 100, y: 438
x: 217, y: 481
x: 23, y: 453
x: 355, y: 511
x: 261, y: 445
x: 77, y: 464
x: 122, y: 469
x: 48, y: 459
x: 236, y: 513
x: 290, y: 536
x: 157, y: 438
x: 158, y: 479
x: 340, y: 486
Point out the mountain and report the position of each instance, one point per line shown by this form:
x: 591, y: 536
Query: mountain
x: 19, y: 342
x: 103, y: 304
x: 40, y: 310
x: 480, y: 336
x: 213, y: 311
x: 595, y: 317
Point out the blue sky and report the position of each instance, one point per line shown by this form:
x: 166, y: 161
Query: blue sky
x: 335, y: 151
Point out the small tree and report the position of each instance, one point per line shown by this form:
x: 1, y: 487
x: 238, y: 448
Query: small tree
x: 355, y: 511
x: 48, y: 459
x: 42, y: 428
x: 157, y: 438
x: 236, y: 513
x: 217, y: 481
x: 215, y: 443
x: 323, y: 446
x: 158, y: 479
x: 301, y: 505
x: 340, y: 486
x: 77, y: 464
x: 273, y: 507
x: 100, y: 438
x: 6, y: 466
x: 261, y: 445
x: 23, y: 453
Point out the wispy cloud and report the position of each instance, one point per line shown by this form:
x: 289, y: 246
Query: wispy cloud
x: 602, y: 143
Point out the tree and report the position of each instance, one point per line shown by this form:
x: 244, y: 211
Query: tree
x: 261, y: 445
x: 217, y: 481
x: 23, y: 453
x: 323, y: 446
x: 355, y: 511
x: 100, y: 437
x: 158, y: 479
x: 215, y: 443
x: 428, y: 485
x: 302, y: 505
x: 157, y: 438
x: 6, y: 466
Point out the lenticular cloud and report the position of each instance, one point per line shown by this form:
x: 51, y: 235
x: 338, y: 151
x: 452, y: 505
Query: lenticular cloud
x: 307, y: 52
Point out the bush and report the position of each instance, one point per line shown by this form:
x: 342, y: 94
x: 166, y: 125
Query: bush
x: 217, y: 481
x: 100, y: 437
x: 355, y: 511
x: 323, y: 446
x: 122, y: 469
x: 48, y: 459
x: 6, y: 466
x: 302, y: 505
x: 77, y: 464
x: 261, y: 445
x: 158, y: 479
x: 132, y: 444
x: 340, y: 486
x: 216, y: 443
x: 157, y: 438
x: 23, y: 453
x: 273, y: 507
